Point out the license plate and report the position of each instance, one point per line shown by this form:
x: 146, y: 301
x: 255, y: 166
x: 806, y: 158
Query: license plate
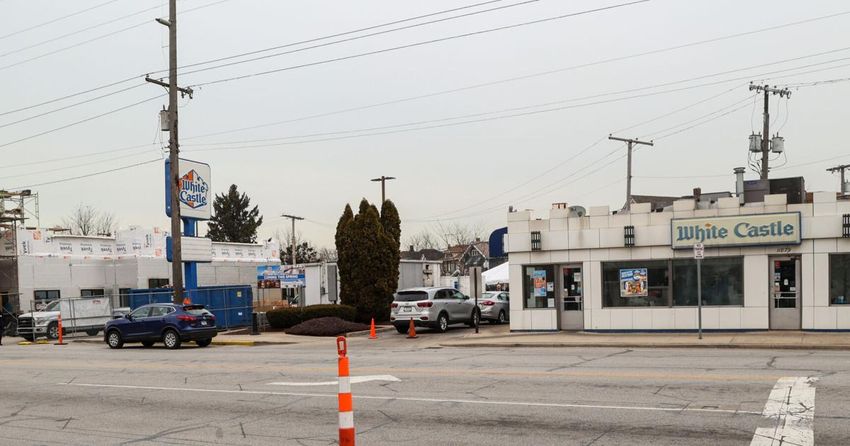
x: 203, y: 322
x: 407, y: 309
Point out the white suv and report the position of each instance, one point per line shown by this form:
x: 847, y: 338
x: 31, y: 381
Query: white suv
x: 432, y: 307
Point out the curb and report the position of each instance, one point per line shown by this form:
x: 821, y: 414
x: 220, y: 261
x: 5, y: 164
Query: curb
x: 627, y: 345
x: 234, y: 342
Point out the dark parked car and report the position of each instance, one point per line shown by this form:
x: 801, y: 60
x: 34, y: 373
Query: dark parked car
x: 170, y: 324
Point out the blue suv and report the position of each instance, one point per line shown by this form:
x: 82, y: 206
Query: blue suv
x: 170, y: 324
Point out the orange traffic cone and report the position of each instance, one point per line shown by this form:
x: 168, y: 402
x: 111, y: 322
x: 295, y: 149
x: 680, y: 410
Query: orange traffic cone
x: 411, y: 332
x: 187, y: 301
x: 372, y: 334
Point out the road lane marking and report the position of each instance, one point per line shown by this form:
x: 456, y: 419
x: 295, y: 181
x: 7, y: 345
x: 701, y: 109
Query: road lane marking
x: 425, y: 400
x: 791, y: 406
x: 353, y: 380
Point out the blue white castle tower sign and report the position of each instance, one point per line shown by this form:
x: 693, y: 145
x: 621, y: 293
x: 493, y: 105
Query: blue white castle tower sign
x: 195, y: 204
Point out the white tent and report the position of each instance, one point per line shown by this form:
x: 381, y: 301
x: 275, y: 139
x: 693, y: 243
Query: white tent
x: 496, y: 275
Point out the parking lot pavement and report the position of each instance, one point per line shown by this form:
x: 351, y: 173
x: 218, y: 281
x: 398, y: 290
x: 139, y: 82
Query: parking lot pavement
x: 418, y: 394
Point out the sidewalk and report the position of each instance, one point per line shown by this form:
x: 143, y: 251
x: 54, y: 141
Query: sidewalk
x: 501, y: 337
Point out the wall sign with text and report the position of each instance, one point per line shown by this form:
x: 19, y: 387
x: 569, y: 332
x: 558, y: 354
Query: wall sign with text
x: 737, y: 230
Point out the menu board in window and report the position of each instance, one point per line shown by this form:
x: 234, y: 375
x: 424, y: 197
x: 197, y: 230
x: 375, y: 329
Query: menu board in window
x: 633, y: 282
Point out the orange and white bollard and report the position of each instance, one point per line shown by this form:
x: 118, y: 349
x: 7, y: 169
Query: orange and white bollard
x: 346, y: 404
x: 60, y: 331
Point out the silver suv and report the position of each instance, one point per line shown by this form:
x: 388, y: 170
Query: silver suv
x: 432, y: 307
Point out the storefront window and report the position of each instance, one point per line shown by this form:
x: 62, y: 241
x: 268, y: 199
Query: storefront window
x: 722, y: 281
x: 539, y: 287
x: 636, y: 284
x: 839, y: 279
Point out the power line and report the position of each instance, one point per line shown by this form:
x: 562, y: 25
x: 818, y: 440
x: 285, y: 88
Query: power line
x: 422, y: 43
x: 21, y: 31
x: 57, y: 169
x: 100, y: 37
x: 79, y: 93
x: 90, y: 118
x: 66, y: 35
x: 377, y: 130
x: 69, y: 106
x: 64, y: 180
x: 469, y: 87
x: 573, y: 99
x: 377, y: 33
x: 656, y: 51
x: 368, y: 28
x: 82, y: 155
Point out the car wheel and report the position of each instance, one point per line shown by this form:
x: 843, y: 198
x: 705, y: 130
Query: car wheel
x: 92, y: 332
x: 502, y: 317
x: 53, y: 331
x: 203, y: 342
x: 401, y: 329
x: 442, y: 323
x: 475, y: 319
x: 147, y: 344
x: 114, y: 339
x: 171, y: 339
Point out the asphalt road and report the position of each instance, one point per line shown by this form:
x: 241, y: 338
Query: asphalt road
x: 86, y: 394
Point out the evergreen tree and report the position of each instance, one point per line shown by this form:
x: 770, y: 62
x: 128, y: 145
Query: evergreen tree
x: 234, y: 220
x: 368, y: 259
x: 343, y: 257
x: 391, y: 223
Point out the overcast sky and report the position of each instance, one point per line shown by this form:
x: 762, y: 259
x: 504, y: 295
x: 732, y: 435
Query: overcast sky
x: 451, y: 169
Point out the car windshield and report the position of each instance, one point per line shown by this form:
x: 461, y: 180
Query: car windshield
x: 52, y: 306
x: 411, y: 296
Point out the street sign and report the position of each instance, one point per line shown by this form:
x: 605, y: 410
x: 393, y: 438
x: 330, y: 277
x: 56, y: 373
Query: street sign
x: 699, y: 251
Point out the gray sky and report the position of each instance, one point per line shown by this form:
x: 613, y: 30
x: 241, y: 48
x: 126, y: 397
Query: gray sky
x: 470, y: 171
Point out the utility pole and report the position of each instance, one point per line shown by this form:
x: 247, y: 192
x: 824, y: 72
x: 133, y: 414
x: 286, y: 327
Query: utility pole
x: 629, y: 143
x: 293, y: 218
x: 765, y: 140
x: 301, y: 299
x: 843, y: 187
x: 383, y: 181
x: 173, y: 148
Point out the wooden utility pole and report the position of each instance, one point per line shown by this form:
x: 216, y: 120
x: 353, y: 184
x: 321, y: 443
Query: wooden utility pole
x: 840, y: 169
x: 383, y: 181
x: 765, y: 139
x: 629, y: 143
x: 173, y: 149
x: 293, y: 218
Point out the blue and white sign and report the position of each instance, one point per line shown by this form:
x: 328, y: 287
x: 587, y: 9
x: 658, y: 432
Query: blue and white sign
x: 194, y: 194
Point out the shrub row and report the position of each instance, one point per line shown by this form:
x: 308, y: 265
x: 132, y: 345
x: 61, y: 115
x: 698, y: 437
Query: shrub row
x: 284, y: 318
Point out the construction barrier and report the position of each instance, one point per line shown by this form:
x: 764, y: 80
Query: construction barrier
x: 346, y: 404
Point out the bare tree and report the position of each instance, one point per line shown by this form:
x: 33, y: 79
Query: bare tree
x: 423, y: 239
x: 86, y: 220
x: 459, y: 233
x: 328, y: 255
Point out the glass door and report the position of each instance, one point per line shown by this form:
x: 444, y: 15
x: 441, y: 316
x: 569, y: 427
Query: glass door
x: 572, y: 298
x: 785, y: 294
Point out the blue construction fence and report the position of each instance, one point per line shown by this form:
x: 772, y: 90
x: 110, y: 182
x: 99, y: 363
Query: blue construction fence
x: 231, y: 305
